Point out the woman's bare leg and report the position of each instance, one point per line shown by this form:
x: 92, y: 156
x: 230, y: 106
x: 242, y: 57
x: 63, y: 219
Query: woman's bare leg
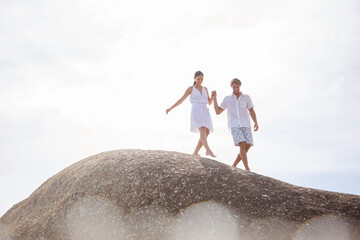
x: 199, y: 145
x: 197, y: 149
x: 203, y: 138
x: 238, y: 158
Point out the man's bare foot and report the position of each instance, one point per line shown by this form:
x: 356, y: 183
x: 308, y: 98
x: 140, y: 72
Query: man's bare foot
x: 210, y: 153
x: 196, y: 154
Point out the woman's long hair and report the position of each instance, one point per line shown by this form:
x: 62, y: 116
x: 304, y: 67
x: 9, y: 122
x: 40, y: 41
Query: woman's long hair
x: 198, y: 73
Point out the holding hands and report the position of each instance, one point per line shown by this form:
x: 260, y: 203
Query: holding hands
x: 213, y: 94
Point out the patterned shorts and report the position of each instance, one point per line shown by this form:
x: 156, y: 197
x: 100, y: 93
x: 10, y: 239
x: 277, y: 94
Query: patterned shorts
x: 242, y: 134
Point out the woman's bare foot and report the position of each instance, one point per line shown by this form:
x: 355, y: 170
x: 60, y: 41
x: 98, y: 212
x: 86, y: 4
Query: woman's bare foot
x: 196, y: 154
x: 210, y: 153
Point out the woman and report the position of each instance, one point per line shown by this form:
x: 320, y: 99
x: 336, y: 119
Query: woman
x: 200, y: 116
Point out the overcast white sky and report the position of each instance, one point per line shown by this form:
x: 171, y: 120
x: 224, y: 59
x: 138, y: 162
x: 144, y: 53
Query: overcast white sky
x: 82, y: 77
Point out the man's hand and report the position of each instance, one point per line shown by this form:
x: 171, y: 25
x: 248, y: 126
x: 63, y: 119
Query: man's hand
x: 256, y: 127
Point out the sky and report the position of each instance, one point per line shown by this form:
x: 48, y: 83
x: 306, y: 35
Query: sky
x: 82, y: 77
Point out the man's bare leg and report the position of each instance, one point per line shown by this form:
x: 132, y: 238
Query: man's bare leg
x: 238, y: 158
x: 243, y: 155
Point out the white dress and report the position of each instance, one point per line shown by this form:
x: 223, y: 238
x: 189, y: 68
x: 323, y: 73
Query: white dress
x: 200, y: 115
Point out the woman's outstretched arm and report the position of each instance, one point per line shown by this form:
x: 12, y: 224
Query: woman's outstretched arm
x: 186, y: 94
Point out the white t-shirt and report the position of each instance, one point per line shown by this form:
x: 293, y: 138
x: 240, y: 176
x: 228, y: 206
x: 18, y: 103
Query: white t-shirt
x: 237, y: 110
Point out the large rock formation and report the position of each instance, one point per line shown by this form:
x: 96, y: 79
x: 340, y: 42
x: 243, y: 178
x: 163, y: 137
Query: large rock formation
x: 137, y: 194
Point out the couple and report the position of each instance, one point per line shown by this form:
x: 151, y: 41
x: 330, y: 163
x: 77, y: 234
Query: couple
x: 239, y: 106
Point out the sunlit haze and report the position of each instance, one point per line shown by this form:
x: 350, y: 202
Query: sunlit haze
x: 82, y: 77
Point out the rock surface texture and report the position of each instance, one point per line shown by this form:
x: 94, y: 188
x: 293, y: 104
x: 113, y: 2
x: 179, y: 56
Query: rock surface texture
x: 138, y: 194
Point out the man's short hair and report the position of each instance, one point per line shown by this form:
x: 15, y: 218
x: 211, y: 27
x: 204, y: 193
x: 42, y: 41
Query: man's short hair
x: 235, y: 80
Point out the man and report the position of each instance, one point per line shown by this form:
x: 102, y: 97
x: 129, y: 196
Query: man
x: 238, y: 107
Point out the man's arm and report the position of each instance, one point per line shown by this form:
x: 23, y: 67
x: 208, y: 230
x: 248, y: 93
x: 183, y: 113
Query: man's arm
x: 253, y: 117
x: 218, y: 109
